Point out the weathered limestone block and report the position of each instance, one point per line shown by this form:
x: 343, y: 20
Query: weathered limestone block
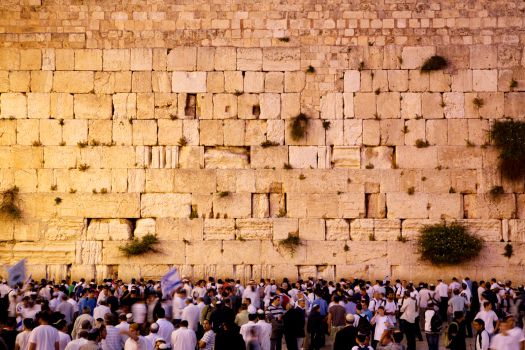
x: 325, y: 252
x: 83, y: 271
x: 226, y: 158
x: 284, y: 226
x: 254, y: 229
x: 141, y: 82
x: 190, y: 82
x: 144, y: 227
x: 281, y: 59
x: 361, y: 229
x: 212, y: 249
x: 73, y: 82
x: 365, y: 105
x: 8, y: 132
x: 388, y: 105
x: 416, y: 130
x: 489, y: 230
x: 144, y: 132
x: 260, y: 205
x: 346, y: 157
x: 63, y: 229
x: 516, y: 230
x: 169, y: 229
x: 457, y: 132
x: 274, y: 82
x: 26, y: 157
x: 172, y: 251
x: 182, y: 58
x: 272, y: 252
x: 404, y: 206
x: 414, y: 56
x: 27, y: 131
x: 225, y: 58
x: 191, y: 157
x: 436, y: 132
x: 513, y: 104
x: 254, y: 82
x: 432, y: 106
x: 141, y: 59
x: 48, y: 253
x: 237, y: 252
x: 14, y: 105
x: 219, y: 229
x: 91, y: 106
x: 377, y: 157
x: 109, y: 229
x: 387, y: 229
x: 352, y: 81
x: 88, y: 59
x: 249, y: 59
x: 165, y: 205
x: 247, y: 106
x: 483, y: 206
x: 485, y: 80
x: 234, y: 205
x: 10, y: 59
x: 416, y: 158
x: 100, y: 205
x: 460, y: 157
x: 337, y: 230
x: 483, y: 56
x: 410, y: 105
x: 255, y: 132
x: 224, y: 106
x: 445, y: 206
x: 397, y: 80
x: 391, y: 131
x: 211, y: 133
x: 116, y: 60
x: 303, y: 157
x: 41, y: 81
x: 270, y: 105
x: 332, y: 106
x: 88, y: 252
x: 19, y: 81
x: 61, y: 106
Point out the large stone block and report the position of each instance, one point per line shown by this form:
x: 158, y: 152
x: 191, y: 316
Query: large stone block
x: 269, y: 157
x: 141, y: 59
x: 281, y: 59
x: 109, y: 229
x: 249, y: 59
x: 100, y: 205
x: 226, y: 158
x: 416, y: 158
x: 405, y: 206
x: 190, y: 82
x: 414, y: 56
x: 169, y: 229
x: 14, y: 105
x: 233, y: 205
x: 260, y: 229
x: 195, y: 181
x: 116, y: 60
x: 90, y: 59
x: 183, y: 58
x: 172, y: 251
x: 483, y: 206
x: 73, y: 82
x: 346, y: 157
x: 165, y: 205
x: 91, y: 106
x: 48, y: 253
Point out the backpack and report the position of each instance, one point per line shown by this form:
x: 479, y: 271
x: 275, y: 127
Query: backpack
x: 435, y: 323
x: 363, y: 325
x: 448, y: 339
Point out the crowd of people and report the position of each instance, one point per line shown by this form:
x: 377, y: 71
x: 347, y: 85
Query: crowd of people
x: 225, y: 314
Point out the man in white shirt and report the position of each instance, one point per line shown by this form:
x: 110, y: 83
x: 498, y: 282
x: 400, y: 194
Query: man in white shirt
x: 101, y: 310
x: 135, y: 340
x: 509, y: 337
x: 191, y: 313
x: 482, y: 341
x: 153, y: 335
x: 113, y: 340
x: 75, y: 344
x: 246, y: 328
x: 265, y: 331
x: 488, y: 316
x: 165, y: 327
x: 44, y: 337
x: 442, y: 294
x: 183, y: 338
x: 123, y: 326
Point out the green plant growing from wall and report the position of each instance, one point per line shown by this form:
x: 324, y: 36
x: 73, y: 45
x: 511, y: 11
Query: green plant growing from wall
x: 326, y: 124
x: 299, y: 126
x: 310, y: 69
x: 508, y: 250
x: 9, y: 205
x: 422, y: 143
x: 183, y: 141
x: 478, y: 102
x: 509, y: 138
x: 140, y: 246
x: 496, y: 191
x: 291, y: 243
x: 434, y: 63
x: 269, y: 143
x: 448, y: 244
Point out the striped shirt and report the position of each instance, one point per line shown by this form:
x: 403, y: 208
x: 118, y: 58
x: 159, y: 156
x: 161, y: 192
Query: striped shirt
x: 275, y: 311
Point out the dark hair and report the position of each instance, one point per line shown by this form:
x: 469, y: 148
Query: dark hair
x: 93, y: 334
x: 252, y: 317
x: 29, y: 323
x: 183, y: 323
x: 480, y: 322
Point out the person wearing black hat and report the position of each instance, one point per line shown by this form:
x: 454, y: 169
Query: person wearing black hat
x: 315, y: 328
x: 457, y: 332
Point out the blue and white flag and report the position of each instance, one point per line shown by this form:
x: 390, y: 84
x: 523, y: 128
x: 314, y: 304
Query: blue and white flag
x: 17, y: 273
x: 170, y: 282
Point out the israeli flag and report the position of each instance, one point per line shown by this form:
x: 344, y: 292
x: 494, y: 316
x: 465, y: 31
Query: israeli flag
x: 17, y: 273
x: 170, y: 282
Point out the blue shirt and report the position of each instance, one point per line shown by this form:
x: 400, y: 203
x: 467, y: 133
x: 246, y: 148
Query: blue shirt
x: 323, y: 306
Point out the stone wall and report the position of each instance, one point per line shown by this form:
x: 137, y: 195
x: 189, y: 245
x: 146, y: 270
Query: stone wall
x: 140, y: 115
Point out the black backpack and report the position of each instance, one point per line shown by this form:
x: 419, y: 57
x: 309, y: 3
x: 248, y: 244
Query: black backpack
x: 363, y: 325
x: 436, y: 323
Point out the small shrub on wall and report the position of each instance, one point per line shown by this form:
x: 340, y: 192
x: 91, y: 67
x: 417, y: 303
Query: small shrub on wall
x: 509, y: 137
x: 448, y: 244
